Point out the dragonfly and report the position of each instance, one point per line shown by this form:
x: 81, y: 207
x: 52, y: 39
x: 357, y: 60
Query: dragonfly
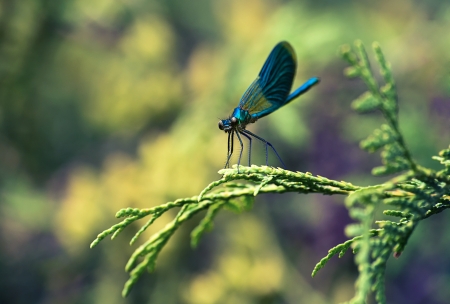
x: 268, y: 92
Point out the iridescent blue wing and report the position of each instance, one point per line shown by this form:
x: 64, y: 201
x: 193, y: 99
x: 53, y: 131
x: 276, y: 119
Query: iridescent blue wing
x: 271, y: 89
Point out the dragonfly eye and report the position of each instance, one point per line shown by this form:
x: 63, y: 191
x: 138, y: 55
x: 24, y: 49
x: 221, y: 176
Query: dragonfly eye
x: 220, y: 125
x: 233, y: 121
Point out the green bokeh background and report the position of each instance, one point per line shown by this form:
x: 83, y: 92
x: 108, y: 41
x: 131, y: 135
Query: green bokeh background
x: 110, y: 104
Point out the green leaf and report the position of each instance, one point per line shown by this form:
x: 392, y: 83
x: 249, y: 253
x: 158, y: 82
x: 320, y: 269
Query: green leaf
x: 366, y: 103
x: 378, y: 139
x: 352, y: 72
x: 389, y: 169
x: 206, y: 224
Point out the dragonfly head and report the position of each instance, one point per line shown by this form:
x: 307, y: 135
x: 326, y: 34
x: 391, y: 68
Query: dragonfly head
x: 228, y: 124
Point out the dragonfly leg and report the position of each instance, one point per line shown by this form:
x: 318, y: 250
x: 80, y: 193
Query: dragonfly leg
x: 230, y: 149
x: 249, y: 148
x: 242, y: 149
x: 267, y: 144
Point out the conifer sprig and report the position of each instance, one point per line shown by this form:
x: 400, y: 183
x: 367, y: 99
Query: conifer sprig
x: 417, y: 194
x: 414, y: 194
x: 395, y: 156
x: 237, y: 197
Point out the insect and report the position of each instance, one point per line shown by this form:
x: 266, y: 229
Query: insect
x: 269, y: 92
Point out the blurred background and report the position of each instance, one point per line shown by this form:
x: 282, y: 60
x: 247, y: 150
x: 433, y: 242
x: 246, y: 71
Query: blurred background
x: 110, y: 104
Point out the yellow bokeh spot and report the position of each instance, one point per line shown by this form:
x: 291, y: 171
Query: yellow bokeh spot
x: 150, y: 38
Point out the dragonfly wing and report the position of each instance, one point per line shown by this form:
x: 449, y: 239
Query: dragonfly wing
x: 270, y: 90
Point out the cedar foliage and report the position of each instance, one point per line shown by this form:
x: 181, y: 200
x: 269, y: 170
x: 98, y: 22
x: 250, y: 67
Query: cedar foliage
x: 412, y: 195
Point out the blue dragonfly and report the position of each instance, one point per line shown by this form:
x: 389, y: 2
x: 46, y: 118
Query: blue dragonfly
x: 269, y: 92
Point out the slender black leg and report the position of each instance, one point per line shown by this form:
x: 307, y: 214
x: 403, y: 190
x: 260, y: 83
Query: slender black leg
x: 230, y: 149
x: 249, y: 148
x: 242, y: 149
x: 267, y: 144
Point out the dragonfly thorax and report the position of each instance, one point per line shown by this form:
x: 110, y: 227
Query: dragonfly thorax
x: 238, y: 119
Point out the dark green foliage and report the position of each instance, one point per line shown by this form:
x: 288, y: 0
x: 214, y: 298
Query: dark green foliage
x: 417, y: 194
x: 395, y: 155
x: 414, y: 194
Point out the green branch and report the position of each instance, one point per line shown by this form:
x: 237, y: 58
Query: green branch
x: 384, y: 99
x: 234, y: 196
x: 416, y: 194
